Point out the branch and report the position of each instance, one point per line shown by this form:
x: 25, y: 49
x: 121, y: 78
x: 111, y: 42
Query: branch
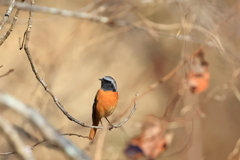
x: 44, y: 127
x: 110, y: 21
x: 65, y: 134
x: 129, y: 116
x: 160, y: 81
x: 67, y: 13
x: 24, y: 151
x: 99, y: 145
x: 8, y: 12
x: 10, y: 71
x: 5, y: 36
x: 41, y: 81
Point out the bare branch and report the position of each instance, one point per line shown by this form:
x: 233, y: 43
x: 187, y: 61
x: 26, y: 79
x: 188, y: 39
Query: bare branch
x: 51, y: 10
x: 5, y: 36
x: 65, y: 134
x: 129, y: 116
x: 99, y: 145
x: 8, y: 12
x: 162, y: 80
x: 59, y: 105
x: 23, y: 151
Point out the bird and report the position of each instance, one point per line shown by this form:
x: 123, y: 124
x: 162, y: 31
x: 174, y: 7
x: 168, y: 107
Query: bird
x: 105, y: 102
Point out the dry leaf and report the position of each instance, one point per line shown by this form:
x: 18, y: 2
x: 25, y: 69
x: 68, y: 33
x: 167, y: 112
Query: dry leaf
x: 151, y: 142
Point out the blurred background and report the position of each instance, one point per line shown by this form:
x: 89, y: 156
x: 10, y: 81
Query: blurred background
x: 71, y: 54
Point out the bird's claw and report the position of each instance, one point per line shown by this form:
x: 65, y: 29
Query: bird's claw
x: 110, y: 128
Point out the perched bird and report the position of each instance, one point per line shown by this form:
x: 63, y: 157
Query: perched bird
x: 105, y: 102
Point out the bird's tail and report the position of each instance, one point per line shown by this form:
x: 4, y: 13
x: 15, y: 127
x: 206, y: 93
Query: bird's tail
x: 93, y: 131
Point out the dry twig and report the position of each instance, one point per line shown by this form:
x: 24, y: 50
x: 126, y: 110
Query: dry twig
x: 99, y: 145
x: 59, y: 105
x: 40, y: 142
x: 5, y: 36
x: 51, y: 10
x: 156, y: 84
x: 44, y: 127
x: 8, y: 12
x: 5, y: 74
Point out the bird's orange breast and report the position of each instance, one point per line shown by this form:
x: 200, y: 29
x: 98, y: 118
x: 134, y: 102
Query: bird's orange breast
x: 106, y: 102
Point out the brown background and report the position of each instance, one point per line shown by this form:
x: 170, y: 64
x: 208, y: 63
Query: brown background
x: 72, y: 54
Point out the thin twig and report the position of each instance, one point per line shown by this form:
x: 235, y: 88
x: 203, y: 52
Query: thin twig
x: 7, y: 14
x: 5, y: 74
x: 51, y: 10
x: 5, y: 36
x: 40, y: 142
x: 70, y: 150
x: 99, y: 145
x: 59, y: 105
x: 173, y: 72
x: 129, y: 116
x: 64, y: 134
x: 44, y: 127
x: 156, y: 84
x: 15, y: 140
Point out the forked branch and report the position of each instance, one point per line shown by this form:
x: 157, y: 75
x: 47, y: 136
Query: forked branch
x: 55, y: 99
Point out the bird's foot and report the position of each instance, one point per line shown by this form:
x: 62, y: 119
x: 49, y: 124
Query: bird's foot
x: 112, y: 126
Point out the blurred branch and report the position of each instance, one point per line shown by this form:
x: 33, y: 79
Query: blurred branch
x: 156, y: 84
x: 23, y: 151
x: 44, y: 127
x: 228, y: 85
x: 107, y: 20
x: 182, y: 62
x: 8, y: 12
x: 62, y: 12
x: 40, y: 142
x: 90, y: 6
x: 129, y: 116
x: 10, y: 71
x: 235, y: 151
x: 99, y: 145
x: 150, y: 29
x: 159, y: 26
x: 25, y: 134
x: 59, y: 105
x: 5, y: 36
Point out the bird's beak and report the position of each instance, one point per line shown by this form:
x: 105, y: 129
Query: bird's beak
x: 100, y: 79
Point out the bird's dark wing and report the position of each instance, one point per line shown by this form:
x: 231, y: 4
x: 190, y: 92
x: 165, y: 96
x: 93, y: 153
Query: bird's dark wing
x: 94, y: 110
